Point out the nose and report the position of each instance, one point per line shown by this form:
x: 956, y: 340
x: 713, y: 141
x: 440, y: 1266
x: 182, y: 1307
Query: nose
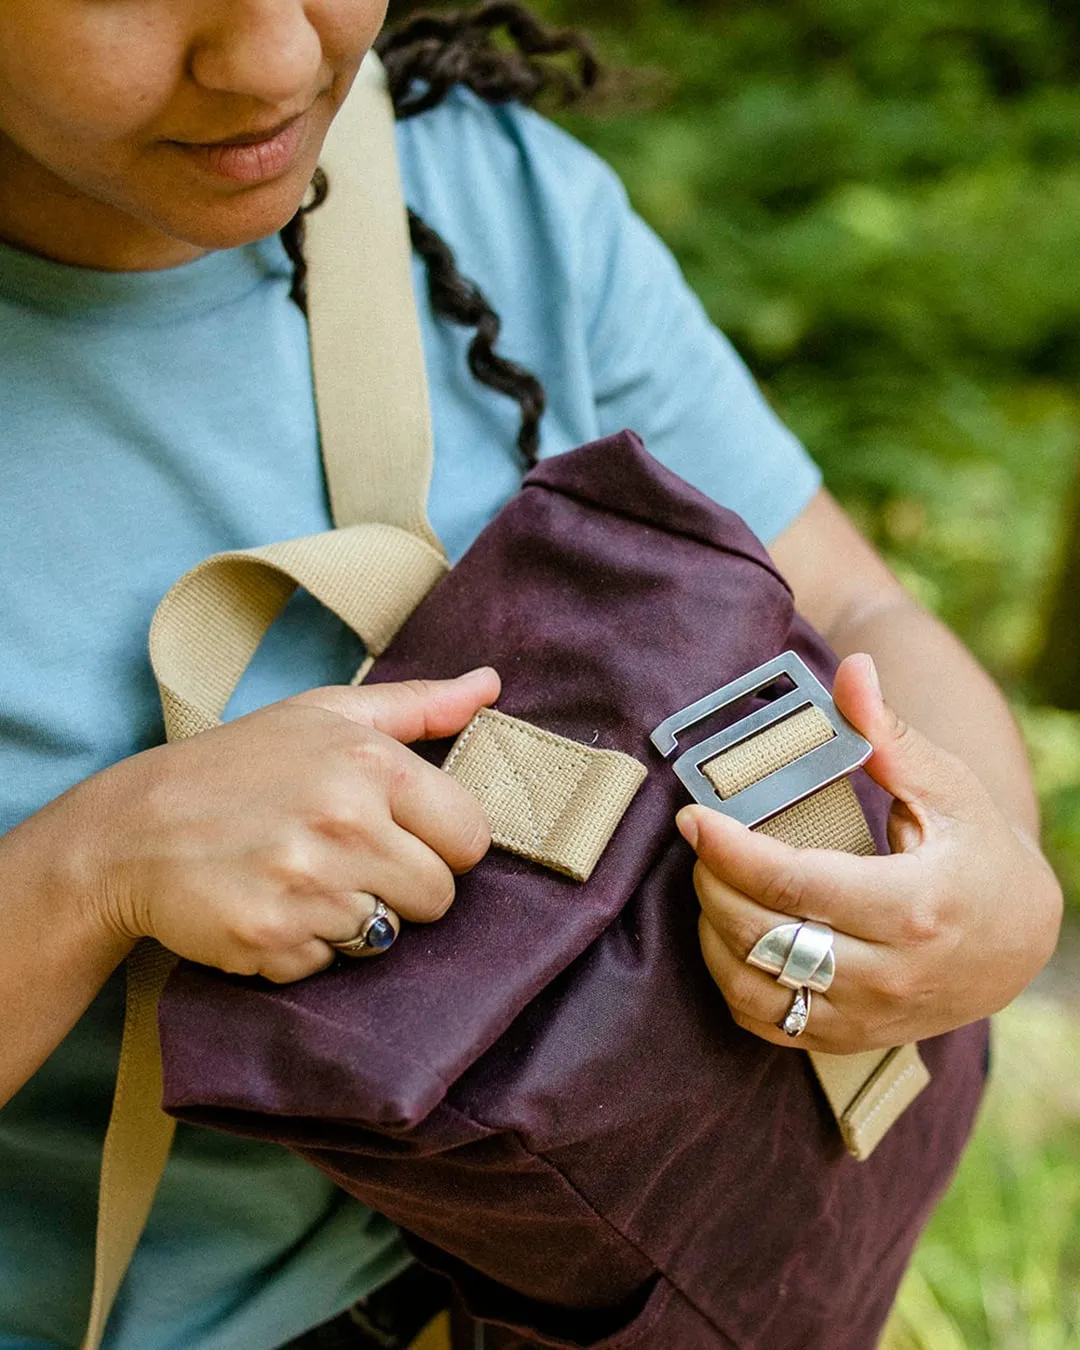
x: 262, y: 49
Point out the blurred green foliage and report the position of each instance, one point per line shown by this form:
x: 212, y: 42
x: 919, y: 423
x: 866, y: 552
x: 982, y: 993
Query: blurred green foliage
x: 999, y: 1265
x: 880, y: 204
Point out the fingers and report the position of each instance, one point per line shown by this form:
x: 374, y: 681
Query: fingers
x: 865, y: 1006
x: 345, y: 915
x: 423, y: 799
x: 756, y: 1002
x: 410, y: 877
x: 749, y: 992
x: 412, y: 710
x: 383, y: 859
x: 865, y: 897
x: 742, y: 922
x: 736, y: 923
x: 434, y: 807
x: 842, y: 1021
x: 916, y: 771
x: 389, y: 823
x: 298, y: 962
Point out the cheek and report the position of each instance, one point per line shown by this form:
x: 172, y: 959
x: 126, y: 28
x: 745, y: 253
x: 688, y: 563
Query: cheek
x: 64, y: 90
x: 347, y: 28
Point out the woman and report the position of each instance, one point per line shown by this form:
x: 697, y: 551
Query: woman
x: 157, y: 409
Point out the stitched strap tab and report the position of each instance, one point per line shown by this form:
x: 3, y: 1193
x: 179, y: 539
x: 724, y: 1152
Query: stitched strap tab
x: 549, y: 799
x: 867, y: 1092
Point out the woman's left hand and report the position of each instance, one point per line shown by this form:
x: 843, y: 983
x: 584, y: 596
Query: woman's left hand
x: 947, y: 929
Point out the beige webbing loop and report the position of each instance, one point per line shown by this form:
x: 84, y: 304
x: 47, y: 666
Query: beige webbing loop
x: 548, y: 798
x: 867, y: 1092
x: 208, y: 627
x: 371, y: 388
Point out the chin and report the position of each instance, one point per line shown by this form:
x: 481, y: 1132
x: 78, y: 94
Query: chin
x: 240, y: 219
x: 212, y: 238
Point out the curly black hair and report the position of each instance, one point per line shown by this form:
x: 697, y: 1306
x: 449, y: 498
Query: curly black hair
x: 425, y: 57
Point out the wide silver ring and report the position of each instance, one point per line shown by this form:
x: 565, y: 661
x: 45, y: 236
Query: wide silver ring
x: 800, y: 955
x: 378, y: 933
x: 794, y: 1024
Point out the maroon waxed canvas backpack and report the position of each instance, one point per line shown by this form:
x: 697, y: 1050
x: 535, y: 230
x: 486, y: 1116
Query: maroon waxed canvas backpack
x: 545, y: 1089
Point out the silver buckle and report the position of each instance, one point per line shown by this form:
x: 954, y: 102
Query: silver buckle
x: 784, y: 787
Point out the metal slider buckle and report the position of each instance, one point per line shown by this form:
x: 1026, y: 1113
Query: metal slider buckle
x: 845, y: 752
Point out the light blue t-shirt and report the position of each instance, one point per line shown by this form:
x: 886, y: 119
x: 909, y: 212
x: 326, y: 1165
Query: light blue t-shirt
x: 149, y: 420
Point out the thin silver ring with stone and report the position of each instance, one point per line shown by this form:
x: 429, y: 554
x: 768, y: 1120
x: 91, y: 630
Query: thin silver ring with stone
x: 794, y: 1024
x: 377, y: 934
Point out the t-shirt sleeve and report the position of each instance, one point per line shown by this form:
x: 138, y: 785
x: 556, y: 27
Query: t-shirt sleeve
x: 661, y: 367
x: 595, y: 305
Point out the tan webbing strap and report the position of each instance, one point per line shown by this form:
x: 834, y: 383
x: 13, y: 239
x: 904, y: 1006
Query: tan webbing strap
x: 370, y: 393
x: 139, y: 1138
x: 867, y: 1092
x: 548, y: 798
x: 370, y: 384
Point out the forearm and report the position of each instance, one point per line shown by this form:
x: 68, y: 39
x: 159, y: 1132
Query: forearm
x: 934, y: 683
x: 57, y: 950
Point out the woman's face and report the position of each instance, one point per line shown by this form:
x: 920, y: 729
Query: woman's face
x: 138, y: 134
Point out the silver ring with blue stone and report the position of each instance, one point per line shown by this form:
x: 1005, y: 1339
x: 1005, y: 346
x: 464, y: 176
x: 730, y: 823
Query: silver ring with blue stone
x: 378, y: 933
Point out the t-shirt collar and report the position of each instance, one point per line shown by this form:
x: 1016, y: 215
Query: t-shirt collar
x: 218, y: 278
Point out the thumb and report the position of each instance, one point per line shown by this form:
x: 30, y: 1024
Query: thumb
x: 412, y: 710
x: 927, y: 779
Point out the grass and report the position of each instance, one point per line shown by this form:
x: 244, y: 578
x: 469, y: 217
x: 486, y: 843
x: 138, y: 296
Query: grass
x: 999, y: 1266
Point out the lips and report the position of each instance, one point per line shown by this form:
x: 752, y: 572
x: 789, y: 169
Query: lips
x: 252, y: 157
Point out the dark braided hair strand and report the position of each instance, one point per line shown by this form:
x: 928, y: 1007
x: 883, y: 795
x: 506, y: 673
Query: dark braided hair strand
x: 428, y: 55
x: 425, y: 57
x: 460, y: 300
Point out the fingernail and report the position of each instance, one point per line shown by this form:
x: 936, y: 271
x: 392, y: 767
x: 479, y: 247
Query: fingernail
x: 686, y: 823
x: 871, y: 670
x: 475, y: 676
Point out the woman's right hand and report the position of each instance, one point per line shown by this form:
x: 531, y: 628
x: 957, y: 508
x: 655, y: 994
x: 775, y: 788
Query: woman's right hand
x: 253, y: 846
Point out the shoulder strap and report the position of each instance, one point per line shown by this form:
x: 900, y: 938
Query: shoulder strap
x: 359, y: 289
x: 364, y: 322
